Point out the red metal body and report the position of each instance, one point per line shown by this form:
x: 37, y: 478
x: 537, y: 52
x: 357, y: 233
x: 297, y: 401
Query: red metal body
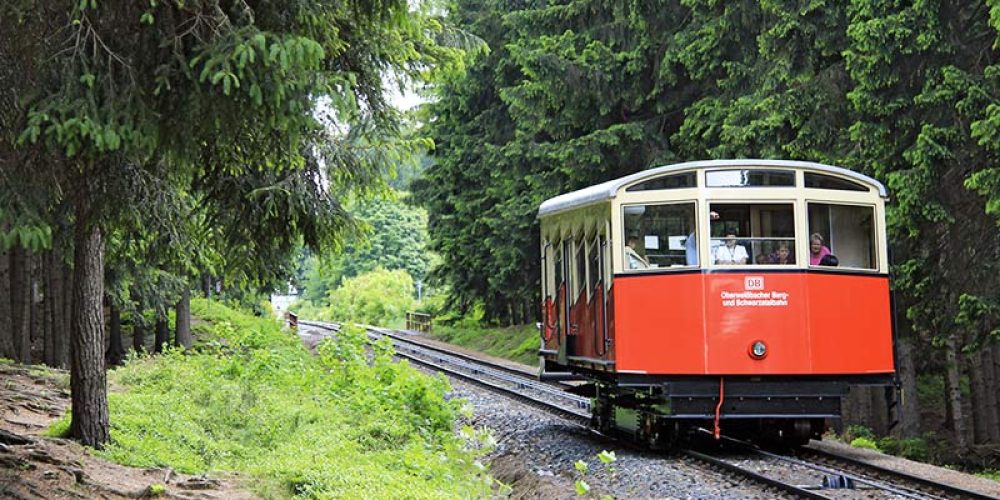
x: 703, y: 323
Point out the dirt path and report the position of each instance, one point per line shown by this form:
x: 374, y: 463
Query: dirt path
x: 33, y: 466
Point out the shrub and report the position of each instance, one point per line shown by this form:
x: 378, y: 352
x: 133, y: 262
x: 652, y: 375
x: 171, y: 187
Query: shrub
x: 343, y: 423
x: 912, y: 448
x: 378, y: 298
x: 863, y: 442
x: 858, y: 431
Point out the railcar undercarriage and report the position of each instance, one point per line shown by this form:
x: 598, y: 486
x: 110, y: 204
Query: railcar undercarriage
x: 659, y: 410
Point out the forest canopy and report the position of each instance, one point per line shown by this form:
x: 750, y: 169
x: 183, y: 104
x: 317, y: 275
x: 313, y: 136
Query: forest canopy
x: 575, y: 93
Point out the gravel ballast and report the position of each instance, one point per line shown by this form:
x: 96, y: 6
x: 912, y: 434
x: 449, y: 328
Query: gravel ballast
x: 536, y: 453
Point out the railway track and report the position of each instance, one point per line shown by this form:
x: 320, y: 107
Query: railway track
x: 811, y: 478
x: 914, y: 483
x: 809, y: 474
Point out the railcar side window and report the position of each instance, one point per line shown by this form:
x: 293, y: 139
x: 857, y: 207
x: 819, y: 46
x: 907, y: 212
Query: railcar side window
x: 593, y: 264
x: 752, y: 234
x: 841, y: 235
x: 675, y: 181
x: 657, y: 236
x: 581, y: 268
x: 820, y: 181
x: 749, y: 178
x: 557, y: 264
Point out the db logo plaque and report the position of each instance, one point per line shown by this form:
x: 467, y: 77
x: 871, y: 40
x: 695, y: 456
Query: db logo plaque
x: 753, y: 283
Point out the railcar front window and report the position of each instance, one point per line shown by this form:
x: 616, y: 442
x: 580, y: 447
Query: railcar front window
x: 659, y: 236
x: 749, y: 178
x: 841, y: 236
x: 752, y: 234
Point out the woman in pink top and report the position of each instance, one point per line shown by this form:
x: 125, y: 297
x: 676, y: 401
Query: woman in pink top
x: 817, y: 250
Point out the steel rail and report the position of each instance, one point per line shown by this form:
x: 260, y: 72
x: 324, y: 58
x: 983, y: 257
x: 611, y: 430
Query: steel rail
x: 858, y: 479
x: 491, y: 364
x: 935, y: 487
x: 752, y: 475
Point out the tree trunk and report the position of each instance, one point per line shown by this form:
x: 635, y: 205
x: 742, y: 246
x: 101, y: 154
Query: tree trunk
x: 183, y: 310
x: 60, y: 334
x: 987, y: 418
x: 206, y: 285
x: 953, y: 391
x: 48, y: 309
x: 138, y: 327
x: 37, y: 309
x: 909, y: 409
x: 162, y: 335
x: 116, y: 351
x: 6, y: 322
x: 63, y: 348
x: 88, y: 380
x: 20, y: 295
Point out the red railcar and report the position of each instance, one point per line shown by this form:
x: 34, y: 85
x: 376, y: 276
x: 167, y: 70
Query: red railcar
x: 746, y: 295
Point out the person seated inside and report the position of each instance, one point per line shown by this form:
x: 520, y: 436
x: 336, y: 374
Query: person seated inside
x: 782, y: 256
x: 731, y: 254
x: 632, y: 258
x: 829, y: 260
x: 691, y: 243
x: 817, y: 250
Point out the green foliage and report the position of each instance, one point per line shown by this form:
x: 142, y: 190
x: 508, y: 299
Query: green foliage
x: 853, y: 432
x: 863, y: 442
x: 575, y: 94
x: 395, y: 237
x: 380, y: 297
x: 582, y: 468
x: 60, y: 427
x: 990, y: 474
x: 331, y: 425
x: 517, y: 343
x: 916, y: 449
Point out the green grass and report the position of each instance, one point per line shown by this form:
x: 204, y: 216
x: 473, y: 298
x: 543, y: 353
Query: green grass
x: 517, y: 343
x: 990, y: 474
x: 332, y: 425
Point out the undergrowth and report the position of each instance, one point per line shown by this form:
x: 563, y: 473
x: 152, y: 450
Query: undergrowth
x: 518, y: 343
x: 346, y: 422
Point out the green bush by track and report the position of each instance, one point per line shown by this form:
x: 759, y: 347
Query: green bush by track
x: 517, y: 343
x: 347, y: 422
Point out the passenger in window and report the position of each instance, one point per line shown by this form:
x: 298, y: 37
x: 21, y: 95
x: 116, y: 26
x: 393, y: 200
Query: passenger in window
x: 731, y: 253
x: 817, y: 250
x: 632, y: 258
x: 829, y: 260
x: 783, y: 256
x: 691, y: 243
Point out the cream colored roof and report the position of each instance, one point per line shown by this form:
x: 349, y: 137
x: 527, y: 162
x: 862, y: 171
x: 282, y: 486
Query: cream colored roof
x: 607, y: 190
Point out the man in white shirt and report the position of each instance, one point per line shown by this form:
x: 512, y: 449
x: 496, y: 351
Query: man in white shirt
x: 731, y: 254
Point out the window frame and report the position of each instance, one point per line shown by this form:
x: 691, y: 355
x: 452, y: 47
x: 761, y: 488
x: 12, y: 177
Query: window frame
x: 875, y: 241
x: 624, y: 238
x: 794, y: 239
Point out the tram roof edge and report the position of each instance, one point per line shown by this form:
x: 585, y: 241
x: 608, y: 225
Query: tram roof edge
x: 607, y: 190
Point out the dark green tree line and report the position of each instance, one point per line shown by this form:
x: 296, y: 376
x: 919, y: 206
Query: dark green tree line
x: 578, y: 92
x: 263, y: 114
